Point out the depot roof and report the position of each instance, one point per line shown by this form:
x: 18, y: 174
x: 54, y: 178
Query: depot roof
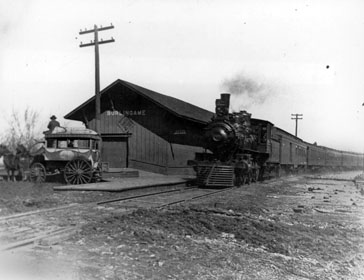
x: 171, y: 104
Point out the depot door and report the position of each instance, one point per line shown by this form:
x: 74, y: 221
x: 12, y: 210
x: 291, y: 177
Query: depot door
x: 115, y: 151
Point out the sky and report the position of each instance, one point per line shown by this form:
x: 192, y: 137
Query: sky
x: 277, y: 58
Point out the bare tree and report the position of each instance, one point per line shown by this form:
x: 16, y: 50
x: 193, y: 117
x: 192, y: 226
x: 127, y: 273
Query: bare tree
x: 23, y: 128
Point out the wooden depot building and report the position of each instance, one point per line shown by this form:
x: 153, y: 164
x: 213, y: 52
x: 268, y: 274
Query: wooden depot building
x: 144, y: 129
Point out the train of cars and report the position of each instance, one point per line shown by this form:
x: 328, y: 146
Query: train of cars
x: 240, y: 149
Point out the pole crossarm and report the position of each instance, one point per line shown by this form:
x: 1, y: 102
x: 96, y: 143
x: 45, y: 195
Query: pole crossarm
x: 100, y: 42
x: 297, y: 116
x: 98, y: 29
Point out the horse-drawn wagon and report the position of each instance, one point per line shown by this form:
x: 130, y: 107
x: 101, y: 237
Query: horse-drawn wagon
x: 72, y: 152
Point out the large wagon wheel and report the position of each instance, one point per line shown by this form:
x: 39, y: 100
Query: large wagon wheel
x: 78, y: 171
x: 37, y: 173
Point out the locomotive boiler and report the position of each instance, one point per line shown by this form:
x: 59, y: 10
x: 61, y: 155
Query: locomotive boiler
x: 236, y: 148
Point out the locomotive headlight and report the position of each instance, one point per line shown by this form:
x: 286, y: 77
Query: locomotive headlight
x: 218, y: 134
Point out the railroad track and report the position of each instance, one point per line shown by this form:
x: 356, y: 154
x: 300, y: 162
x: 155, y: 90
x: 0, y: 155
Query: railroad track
x: 49, y: 226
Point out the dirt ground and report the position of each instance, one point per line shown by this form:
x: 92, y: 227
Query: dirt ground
x: 291, y: 228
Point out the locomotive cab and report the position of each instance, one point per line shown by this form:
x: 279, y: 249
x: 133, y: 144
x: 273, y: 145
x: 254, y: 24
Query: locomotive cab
x: 263, y: 134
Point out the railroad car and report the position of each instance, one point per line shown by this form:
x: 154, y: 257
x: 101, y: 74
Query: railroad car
x: 240, y: 149
x: 288, y: 152
x: 316, y: 156
x: 72, y: 152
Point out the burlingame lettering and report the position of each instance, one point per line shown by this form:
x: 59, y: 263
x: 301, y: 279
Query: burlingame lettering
x: 126, y: 113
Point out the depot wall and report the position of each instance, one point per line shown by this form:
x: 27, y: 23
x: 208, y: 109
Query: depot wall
x: 137, y: 133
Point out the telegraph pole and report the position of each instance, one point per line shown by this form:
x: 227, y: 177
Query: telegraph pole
x: 96, y: 43
x: 296, y: 117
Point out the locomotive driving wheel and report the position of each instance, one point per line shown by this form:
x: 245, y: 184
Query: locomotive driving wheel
x: 78, y: 171
x: 37, y: 173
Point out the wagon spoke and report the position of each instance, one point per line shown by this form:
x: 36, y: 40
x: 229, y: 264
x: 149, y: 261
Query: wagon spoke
x: 81, y: 165
x: 83, y: 180
x: 73, y: 166
x: 69, y: 169
x: 87, y: 170
x: 71, y: 176
x: 80, y: 179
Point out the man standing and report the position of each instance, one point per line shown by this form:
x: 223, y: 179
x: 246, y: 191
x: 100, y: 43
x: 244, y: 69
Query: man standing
x: 53, y: 124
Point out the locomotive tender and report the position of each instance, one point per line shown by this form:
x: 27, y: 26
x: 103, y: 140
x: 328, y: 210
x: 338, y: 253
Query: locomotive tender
x: 240, y: 149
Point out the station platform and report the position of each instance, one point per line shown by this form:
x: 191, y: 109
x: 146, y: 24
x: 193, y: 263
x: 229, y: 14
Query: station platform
x: 115, y: 182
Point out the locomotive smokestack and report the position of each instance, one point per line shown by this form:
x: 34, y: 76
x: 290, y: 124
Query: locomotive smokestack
x: 222, y: 105
x: 225, y: 97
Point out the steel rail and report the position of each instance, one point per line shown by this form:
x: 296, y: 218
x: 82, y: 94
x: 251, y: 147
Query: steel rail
x: 42, y: 236
x: 141, y: 195
x: 20, y: 215
x: 193, y: 198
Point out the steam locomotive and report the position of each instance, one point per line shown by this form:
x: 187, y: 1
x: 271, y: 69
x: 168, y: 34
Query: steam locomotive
x: 240, y: 150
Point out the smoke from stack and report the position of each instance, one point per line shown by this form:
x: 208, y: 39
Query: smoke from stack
x: 245, y: 91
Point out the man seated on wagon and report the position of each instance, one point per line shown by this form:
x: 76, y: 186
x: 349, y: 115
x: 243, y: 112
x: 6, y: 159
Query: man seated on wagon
x: 53, y: 124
